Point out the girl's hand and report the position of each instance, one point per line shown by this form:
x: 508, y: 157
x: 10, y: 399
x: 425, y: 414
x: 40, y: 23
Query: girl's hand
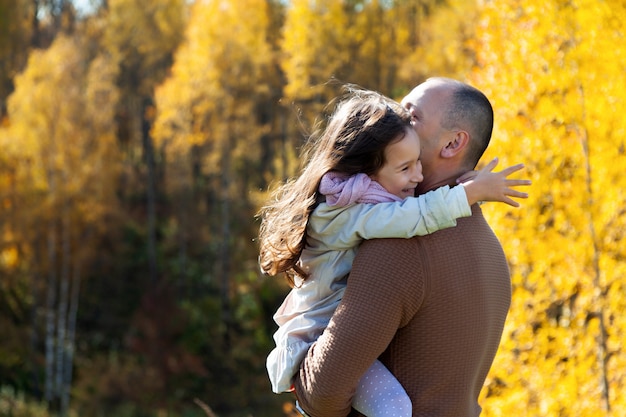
x: 485, y: 185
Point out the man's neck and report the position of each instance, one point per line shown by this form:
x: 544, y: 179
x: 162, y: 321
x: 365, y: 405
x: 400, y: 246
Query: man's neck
x: 439, y: 177
x: 427, y: 186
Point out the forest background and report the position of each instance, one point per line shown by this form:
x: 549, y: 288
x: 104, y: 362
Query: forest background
x: 140, y: 137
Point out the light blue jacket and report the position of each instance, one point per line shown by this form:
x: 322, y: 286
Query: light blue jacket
x: 333, y: 237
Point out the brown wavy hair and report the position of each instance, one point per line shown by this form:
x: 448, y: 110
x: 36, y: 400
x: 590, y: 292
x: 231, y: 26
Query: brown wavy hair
x: 359, y: 129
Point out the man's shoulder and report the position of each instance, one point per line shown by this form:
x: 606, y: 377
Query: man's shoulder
x: 393, y: 255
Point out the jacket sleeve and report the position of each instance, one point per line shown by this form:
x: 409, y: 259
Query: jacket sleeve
x: 378, y: 300
x: 414, y: 216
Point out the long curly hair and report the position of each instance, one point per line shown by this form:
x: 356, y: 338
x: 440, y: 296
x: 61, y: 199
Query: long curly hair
x: 359, y: 129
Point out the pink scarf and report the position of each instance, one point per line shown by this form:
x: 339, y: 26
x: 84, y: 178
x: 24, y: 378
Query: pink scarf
x: 341, y: 190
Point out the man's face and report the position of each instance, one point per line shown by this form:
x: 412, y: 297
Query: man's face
x: 426, y: 104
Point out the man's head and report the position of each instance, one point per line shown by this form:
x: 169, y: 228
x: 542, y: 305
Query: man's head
x: 454, y: 122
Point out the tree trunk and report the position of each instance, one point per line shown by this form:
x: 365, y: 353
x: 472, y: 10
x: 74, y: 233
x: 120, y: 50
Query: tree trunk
x: 36, y: 36
x: 599, y: 301
x: 34, y: 337
x: 71, y: 335
x: 49, y: 388
x: 183, y: 236
x: 62, y: 306
x: 148, y: 149
x: 224, y: 272
x: 599, y: 297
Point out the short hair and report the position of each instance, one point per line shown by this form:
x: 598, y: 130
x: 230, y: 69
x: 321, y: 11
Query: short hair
x: 469, y: 109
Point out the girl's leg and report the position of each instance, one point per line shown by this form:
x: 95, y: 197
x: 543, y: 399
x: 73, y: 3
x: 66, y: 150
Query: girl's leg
x: 380, y: 394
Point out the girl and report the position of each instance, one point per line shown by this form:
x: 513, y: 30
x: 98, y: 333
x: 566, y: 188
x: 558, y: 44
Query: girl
x: 358, y: 183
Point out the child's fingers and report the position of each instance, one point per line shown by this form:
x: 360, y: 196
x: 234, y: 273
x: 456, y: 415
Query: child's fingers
x: 515, y: 193
x: 510, y: 202
x: 515, y: 183
x: 491, y: 165
x: 508, y: 171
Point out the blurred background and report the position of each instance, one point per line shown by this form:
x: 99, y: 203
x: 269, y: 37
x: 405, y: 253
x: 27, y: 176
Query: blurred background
x: 139, y: 138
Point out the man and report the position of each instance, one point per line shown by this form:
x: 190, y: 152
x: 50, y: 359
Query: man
x: 432, y: 308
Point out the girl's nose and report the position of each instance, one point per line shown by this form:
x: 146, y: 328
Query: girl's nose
x: 418, y: 177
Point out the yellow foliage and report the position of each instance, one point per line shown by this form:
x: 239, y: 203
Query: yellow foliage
x: 142, y: 34
x: 315, y: 44
x: 558, y: 110
x: 62, y: 133
x: 356, y: 42
x: 554, y: 71
x: 9, y: 258
x: 45, y: 110
x: 206, y: 107
x: 443, y: 38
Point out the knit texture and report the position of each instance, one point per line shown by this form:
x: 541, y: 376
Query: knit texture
x: 432, y: 308
x: 341, y: 190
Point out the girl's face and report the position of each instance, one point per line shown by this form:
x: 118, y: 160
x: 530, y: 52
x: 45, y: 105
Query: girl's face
x: 402, y: 170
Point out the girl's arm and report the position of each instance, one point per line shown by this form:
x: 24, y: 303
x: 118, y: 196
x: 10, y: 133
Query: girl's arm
x: 485, y: 185
x: 343, y: 228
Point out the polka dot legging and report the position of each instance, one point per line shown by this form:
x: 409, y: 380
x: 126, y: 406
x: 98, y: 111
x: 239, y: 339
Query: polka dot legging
x: 379, y: 394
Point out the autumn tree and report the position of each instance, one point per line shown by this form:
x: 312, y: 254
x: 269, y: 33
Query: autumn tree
x: 326, y: 44
x: 439, y: 34
x: 138, y: 145
x: 358, y: 42
x: 61, y: 111
x: 15, y: 40
x: 558, y: 110
x: 213, y: 118
x: 140, y: 37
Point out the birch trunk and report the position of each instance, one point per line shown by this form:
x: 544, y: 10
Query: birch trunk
x: 71, y: 337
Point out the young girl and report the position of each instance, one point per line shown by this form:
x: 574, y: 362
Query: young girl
x: 358, y: 183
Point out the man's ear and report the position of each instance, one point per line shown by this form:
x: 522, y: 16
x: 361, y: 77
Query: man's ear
x: 456, y: 145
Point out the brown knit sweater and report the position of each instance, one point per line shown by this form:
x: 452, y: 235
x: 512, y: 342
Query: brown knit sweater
x: 432, y: 308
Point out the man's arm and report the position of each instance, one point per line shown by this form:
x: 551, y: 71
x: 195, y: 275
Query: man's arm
x: 382, y: 295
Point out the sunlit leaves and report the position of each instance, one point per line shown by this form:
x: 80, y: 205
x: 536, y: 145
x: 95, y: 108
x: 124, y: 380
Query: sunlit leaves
x: 557, y: 111
x: 140, y: 36
x: 223, y: 130
x: 217, y: 71
x: 315, y: 46
x: 443, y: 33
